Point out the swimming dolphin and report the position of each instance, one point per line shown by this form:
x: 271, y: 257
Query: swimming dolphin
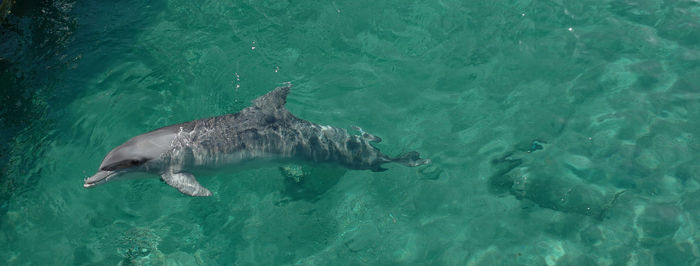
x: 264, y: 131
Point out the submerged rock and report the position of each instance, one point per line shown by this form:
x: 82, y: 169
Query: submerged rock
x: 303, y: 182
x: 139, y: 246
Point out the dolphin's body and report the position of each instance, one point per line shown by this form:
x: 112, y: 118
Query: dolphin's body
x: 265, y: 130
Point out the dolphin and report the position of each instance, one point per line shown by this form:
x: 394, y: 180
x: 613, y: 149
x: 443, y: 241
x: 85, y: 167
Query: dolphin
x: 264, y: 131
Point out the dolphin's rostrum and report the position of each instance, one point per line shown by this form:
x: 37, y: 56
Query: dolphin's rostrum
x: 264, y: 131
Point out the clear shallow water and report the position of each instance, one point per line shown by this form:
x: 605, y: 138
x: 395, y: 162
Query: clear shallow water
x: 562, y: 132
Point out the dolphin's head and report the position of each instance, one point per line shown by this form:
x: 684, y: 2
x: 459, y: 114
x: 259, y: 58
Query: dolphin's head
x: 139, y: 154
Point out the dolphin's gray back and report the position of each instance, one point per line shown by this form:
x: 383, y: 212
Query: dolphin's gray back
x: 268, y: 129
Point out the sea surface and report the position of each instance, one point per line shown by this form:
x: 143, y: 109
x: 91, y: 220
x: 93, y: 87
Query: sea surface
x: 561, y: 132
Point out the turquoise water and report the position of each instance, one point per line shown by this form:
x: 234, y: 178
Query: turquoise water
x: 561, y: 132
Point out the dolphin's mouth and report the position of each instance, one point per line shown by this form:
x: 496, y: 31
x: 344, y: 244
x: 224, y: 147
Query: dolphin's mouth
x: 99, y: 178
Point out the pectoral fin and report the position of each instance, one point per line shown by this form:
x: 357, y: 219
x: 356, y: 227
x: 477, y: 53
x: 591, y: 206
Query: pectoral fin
x: 185, y: 183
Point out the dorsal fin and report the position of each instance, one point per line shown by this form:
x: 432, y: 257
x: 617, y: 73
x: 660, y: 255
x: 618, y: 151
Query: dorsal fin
x: 273, y: 100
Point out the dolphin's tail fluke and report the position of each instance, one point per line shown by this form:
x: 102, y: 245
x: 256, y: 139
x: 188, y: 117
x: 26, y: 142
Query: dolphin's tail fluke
x: 411, y: 158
